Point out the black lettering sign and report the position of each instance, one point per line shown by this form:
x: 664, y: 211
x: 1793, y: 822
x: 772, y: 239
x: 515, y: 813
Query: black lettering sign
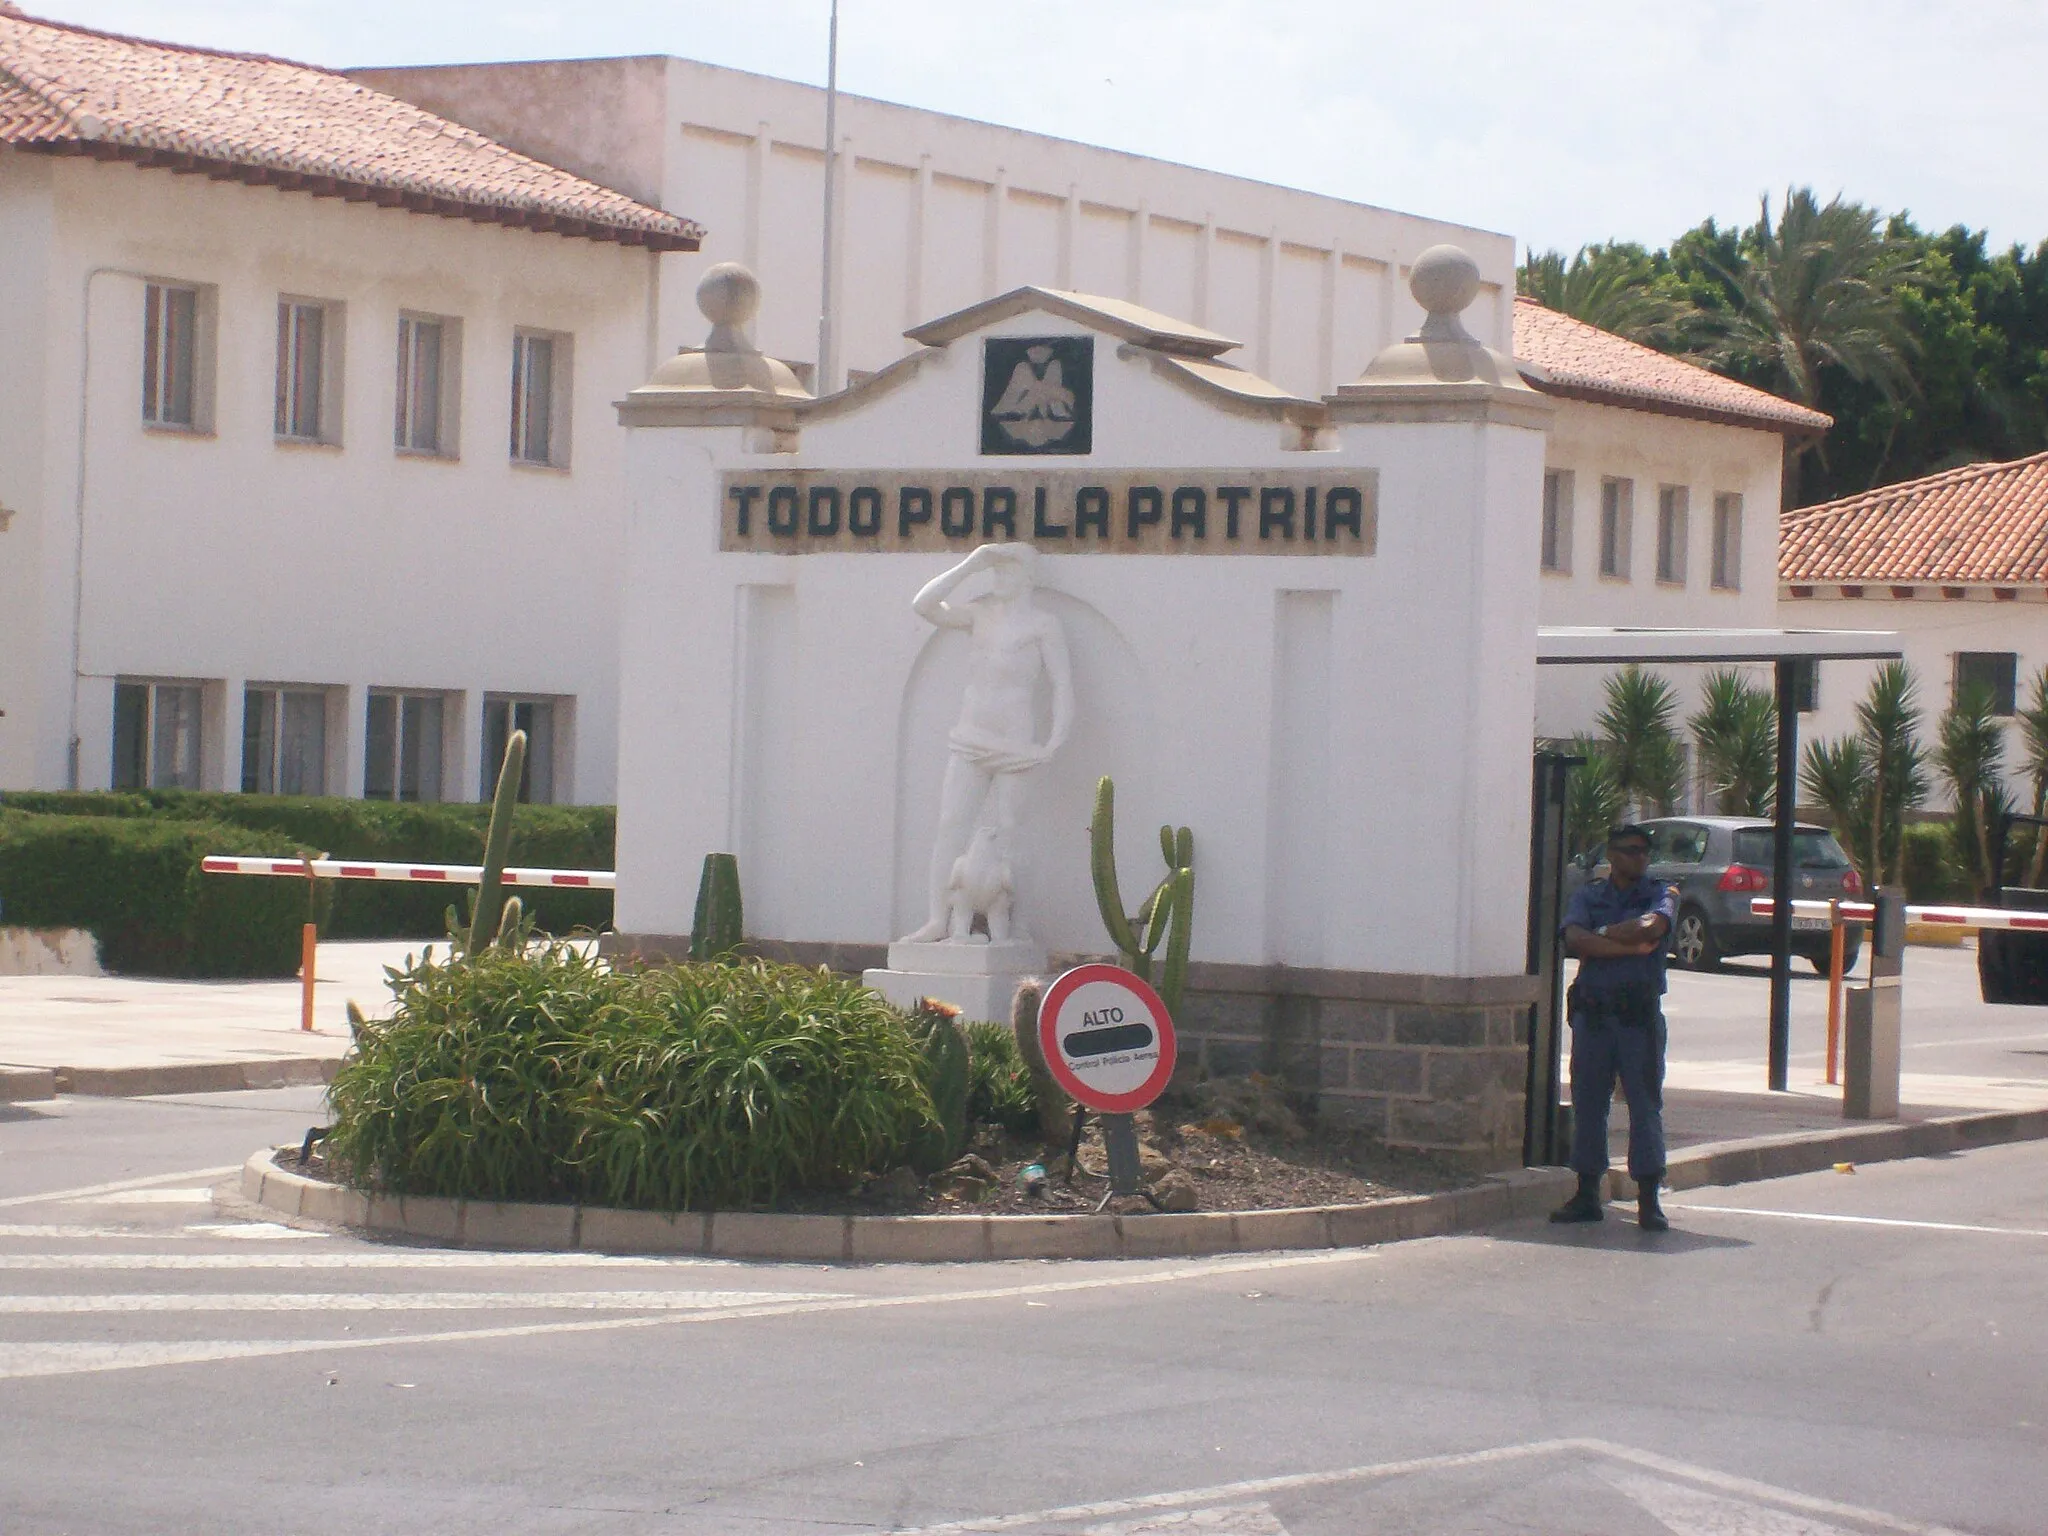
x: 1232, y: 497
x: 1308, y: 513
x: 1040, y: 528
x: 1190, y: 511
x: 1276, y: 510
x: 745, y: 496
x: 998, y: 510
x: 864, y: 511
x: 1344, y: 507
x: 913, y: 506
x: 824, y: 518
x: 1142, y: 508
x: 1091, y: 510
x: 783, y: 514
x: 956, y: 512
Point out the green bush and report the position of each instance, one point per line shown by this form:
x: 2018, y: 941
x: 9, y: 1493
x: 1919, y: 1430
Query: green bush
x: 546, y: 836
x: 1930, y: 867
x: 550, y: 1076
x: 998, y: 1083
x: 135, y: 882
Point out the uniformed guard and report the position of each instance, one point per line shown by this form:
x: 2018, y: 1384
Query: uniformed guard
x: 1616, y: 929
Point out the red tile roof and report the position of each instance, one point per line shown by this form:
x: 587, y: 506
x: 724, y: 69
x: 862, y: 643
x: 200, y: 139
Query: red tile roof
x: 1583, y: 362
x: 1984, y: 524
x: 68, y: 90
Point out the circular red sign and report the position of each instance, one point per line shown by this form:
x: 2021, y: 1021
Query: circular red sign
x: 1107, y: 1038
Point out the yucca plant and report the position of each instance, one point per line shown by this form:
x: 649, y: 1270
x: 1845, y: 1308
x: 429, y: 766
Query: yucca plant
x: 1970, y: 754
x: 1593, y: 799
x: 1870, y: 779
x: 1637, y: 724
x: 1735, y: 731
x: 2034, y: 749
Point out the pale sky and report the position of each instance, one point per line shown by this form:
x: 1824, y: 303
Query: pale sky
x: 1560, y: 123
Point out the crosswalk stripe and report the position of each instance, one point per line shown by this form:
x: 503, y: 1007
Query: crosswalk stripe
x: 376, y: 1258
x: 58, y: 1195
x: 409, y: 1301
x: 146, y: 1197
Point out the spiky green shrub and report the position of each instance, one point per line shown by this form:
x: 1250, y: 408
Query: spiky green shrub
x: 998, y: 1080
x: 546, y: 1075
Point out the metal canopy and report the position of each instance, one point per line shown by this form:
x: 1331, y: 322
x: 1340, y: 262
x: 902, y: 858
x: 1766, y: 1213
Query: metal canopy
x: 1592, y: 645
x: 1575, y: 645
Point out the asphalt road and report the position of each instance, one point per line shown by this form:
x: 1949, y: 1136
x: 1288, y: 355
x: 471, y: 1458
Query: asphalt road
x: 1802, y: 1358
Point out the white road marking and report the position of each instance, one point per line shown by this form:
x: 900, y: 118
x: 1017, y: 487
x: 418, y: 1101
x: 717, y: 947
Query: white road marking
x: 373, y: 1258
x: 1233, y: 1520
x: 64, y: 1359
x: 52, y: 1229
x: 148, y: 1197
x: 108, y: 1189
x: 1695, y: 1512
x: 1607, y: 1449
x: 247, y: 1231
x: 1863, y: 1221
x: 408, y: 1301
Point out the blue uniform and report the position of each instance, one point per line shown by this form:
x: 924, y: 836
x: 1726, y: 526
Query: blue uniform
x: 1618, y: 1031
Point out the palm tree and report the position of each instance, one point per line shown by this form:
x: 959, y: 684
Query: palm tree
x: 1592, y: 801
x: 1869, y: 779
x: 1642, y: 744
x: 1819, y: 289
x: 1836, y: 776
x: 1612, y: 286
x: 1971, y: 757
x: 1736, y: 733
x: 2034, y: 744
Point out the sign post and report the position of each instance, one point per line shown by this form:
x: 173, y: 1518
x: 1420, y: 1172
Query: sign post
x: 1109, y: 1042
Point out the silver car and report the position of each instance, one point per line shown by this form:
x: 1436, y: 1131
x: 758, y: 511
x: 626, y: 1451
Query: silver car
x: 1720, y: 864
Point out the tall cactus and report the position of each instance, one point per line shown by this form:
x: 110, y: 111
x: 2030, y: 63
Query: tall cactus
x: 1055, y: 1114
x: 489, y: 913
x: 947, y: 1072
x: 1168, y: 913
x: 715, y: 930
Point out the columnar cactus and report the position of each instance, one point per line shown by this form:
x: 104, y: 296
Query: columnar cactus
x: 947, y: 1078
x: 1168, y: 913
x: 715, y: 929
x: 489, y: 914
x: 1055, y: 1113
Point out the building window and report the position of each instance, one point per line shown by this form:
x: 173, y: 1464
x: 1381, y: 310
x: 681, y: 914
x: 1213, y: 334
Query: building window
x: 308, y: 371
x: 1806, y: 685
x: 540, y: 398
x: 536, y: 717
x: 1728, y: 542
x: 156, y: 735
x: 1672, y: 527
x: 284, y: 741
x: 1557, y: 521
x: 402, y: 759
x: 170, y: 355
x: 1617, y: 519
x: 429, y: 370
x: 1996, y: 672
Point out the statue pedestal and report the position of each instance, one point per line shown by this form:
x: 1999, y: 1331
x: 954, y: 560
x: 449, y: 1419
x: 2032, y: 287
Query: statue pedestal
x: 978, y: 979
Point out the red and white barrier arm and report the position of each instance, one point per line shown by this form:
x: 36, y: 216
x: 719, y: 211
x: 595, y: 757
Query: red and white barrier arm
x: 446, y: 874
x: 1944, y: 917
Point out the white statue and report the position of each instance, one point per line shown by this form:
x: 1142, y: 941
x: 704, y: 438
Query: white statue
x: 994, y: 745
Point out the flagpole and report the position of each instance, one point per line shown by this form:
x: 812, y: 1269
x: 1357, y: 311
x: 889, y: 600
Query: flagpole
x: 827, y: 362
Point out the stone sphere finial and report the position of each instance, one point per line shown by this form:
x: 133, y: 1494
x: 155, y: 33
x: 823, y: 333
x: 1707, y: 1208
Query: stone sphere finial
x: 729, y: 296
x: 1445, y: 281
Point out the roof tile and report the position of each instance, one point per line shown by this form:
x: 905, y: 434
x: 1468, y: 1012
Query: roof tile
x: 1979, y: 525
x: 1581, y: 361
x: 67, y: 89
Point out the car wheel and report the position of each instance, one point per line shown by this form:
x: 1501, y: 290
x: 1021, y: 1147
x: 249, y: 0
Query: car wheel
x: 1692, y: 941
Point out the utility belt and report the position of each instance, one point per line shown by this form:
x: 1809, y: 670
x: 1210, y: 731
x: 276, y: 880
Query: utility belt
x: 1631, y: 1004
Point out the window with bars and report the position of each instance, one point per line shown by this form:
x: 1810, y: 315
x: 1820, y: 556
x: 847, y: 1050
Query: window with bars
x: 170, y: 355
x: 536, y: 717
x: 421, y: 344
x: 540, y: 379
x: 403, y: 750
x: 284, y: 741
x: 157, y: 735
x: 308, y: 402
x: 1673, y: 529
x: 1617, y: 531
x: 1994, y: 672
x: 1728, y: 542
x: 1557, y: 521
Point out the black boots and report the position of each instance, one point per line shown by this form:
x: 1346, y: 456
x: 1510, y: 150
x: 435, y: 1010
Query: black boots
x: 1585, y: 1205
x: 1649, y: 1214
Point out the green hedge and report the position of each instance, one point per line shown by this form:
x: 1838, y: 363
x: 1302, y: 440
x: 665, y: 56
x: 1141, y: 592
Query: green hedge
x: 546, y: 836
x: 135, y: 882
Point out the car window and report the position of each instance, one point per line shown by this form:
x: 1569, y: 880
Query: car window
x: 1811, y: 849
x: 1678, y: 842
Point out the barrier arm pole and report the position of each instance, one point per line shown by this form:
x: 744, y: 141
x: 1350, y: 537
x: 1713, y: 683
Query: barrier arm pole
x: 309, y: 947
x: 1837, y: 938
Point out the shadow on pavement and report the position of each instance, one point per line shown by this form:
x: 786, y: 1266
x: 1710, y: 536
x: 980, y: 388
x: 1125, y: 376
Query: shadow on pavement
x: 1617, y: 1234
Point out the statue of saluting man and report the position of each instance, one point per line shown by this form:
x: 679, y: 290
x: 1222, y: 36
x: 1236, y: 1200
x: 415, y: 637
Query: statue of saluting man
x: 995, y: 743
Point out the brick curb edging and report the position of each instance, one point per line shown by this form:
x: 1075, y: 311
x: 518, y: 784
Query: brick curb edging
x: 20, y: 1085
x: 959, y: 1239
x: 195, y: 1077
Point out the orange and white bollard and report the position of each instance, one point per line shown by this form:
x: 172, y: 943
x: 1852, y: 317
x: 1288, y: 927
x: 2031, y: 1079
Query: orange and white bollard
x: 309, y: 944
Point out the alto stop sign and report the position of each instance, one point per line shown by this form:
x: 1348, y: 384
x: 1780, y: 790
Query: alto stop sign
x: 1107, y: 1038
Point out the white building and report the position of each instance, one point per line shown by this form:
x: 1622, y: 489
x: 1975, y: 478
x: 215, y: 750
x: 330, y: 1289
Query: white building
x: 1956, y: 563
x: 308, y: 466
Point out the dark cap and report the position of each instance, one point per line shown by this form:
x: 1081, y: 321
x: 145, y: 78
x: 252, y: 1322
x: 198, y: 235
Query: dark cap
x: 1629, y: 829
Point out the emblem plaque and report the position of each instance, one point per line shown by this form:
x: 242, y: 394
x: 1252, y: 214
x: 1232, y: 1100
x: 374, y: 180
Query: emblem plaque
x: 1038, y: 394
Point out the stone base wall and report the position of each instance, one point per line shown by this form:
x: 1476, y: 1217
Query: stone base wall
x: 1434, y: 1064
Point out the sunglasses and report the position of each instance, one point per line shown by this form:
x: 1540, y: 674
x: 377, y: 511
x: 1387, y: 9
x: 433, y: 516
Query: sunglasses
x: 1629, y: 851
